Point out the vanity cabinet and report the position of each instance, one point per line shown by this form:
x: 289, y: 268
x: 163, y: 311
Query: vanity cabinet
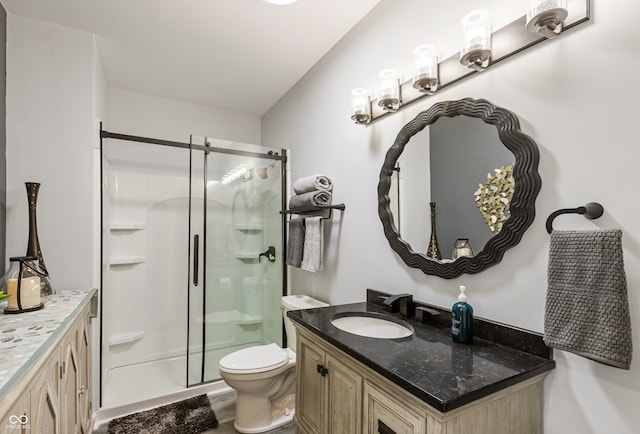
x: 338, y: 394
x: 52, y: 397
x: 329, y: 399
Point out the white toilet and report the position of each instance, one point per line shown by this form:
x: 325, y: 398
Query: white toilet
x: 264, y: 376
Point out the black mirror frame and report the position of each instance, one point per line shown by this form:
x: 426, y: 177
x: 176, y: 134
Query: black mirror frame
x: 522, y: 207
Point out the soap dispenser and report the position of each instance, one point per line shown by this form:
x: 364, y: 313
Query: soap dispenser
x: 462, y: 319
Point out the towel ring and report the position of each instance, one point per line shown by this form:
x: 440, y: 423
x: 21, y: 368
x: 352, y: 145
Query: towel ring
x: 592, y: 210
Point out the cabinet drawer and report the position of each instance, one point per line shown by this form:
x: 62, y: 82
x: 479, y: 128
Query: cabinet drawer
x: 385, y: 414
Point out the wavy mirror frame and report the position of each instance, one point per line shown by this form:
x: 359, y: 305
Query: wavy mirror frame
x: 522, y: 207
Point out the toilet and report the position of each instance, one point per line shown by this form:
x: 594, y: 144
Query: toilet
x: 264, y: 376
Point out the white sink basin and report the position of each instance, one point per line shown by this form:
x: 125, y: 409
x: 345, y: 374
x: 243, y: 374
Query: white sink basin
x: 372, y: 326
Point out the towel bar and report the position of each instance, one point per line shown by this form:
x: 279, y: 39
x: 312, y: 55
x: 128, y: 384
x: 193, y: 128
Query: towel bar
x: 592, y: 210
x: 339, y: 206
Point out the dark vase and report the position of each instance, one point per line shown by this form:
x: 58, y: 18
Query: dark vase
x: 33, y: 245
x: 433, y: 251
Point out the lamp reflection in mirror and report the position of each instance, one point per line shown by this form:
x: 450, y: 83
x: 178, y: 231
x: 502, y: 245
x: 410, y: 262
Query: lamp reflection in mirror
x: 476, y: 48
x: 546, y: 17
x: 426, y: 75
x: 389, y: 90
x: 360, y: 106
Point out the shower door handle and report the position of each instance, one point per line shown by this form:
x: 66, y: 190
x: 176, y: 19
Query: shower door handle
x: 196, y: 260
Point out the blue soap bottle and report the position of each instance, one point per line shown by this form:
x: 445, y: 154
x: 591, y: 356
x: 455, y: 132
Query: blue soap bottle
x: 462, y: 319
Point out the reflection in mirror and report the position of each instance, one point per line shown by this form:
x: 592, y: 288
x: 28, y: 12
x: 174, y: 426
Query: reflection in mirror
x: 447, y: 163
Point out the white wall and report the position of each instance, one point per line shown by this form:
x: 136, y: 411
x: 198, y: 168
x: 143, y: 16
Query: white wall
x: 162, y: 118
x: 573, y: 96
x: 49, y: 140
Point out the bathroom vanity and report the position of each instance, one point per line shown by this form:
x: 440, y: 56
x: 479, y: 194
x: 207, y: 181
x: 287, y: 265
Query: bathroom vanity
x: 44, y: 367
x: 424, y: 383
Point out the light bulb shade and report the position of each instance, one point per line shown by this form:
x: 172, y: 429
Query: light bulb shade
x: 546, y: 17
x: 476, y: 45
x: 361, y: 105
x: 389, y: 90
x: 426, y: 74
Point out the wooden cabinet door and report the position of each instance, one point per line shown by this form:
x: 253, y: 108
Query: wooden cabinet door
x: 84, y: 361
x: 385, y: 415
x: 344, y: 408
x: 18, y: 418
x: 45, y: 403
x: 70, y: 405
x: 310, y: 387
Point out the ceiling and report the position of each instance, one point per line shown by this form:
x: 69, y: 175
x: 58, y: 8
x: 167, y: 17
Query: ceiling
x: 237, y: 55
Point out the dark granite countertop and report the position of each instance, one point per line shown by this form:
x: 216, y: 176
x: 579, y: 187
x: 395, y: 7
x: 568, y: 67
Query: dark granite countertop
x: 428, y: 364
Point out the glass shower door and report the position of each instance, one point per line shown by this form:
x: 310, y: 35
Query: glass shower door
x: 236, y: 236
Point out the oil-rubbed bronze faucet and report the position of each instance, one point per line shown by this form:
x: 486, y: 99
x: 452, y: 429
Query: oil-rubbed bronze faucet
x: 402, y: 303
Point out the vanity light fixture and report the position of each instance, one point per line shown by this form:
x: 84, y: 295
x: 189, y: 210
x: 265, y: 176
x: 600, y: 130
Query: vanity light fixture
x: 426, y: 74
x: 476, y: 47
x: 361, y: 105
x: 546, y: 17
x: 482, y: 47
x: 389, y: 90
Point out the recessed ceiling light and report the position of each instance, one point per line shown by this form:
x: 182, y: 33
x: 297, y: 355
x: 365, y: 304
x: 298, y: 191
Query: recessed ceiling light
x: 281, y: 2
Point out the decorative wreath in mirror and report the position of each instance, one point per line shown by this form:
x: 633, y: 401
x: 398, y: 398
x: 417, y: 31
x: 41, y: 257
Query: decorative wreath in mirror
x: 494, y: 197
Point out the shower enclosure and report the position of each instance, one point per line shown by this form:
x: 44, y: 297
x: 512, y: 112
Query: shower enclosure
x: 192, y: 260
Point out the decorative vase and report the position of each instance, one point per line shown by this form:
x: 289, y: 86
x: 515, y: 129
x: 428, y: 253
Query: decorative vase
x: 33, y: 244
x: 433, y: 251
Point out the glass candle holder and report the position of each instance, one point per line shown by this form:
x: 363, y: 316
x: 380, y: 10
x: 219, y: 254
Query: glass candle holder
x: 389, y: 90
x: 546, y: 17
x: 476, y: 46
x: 22, y: 285
x: 361, y: 105
x: 426, y: 75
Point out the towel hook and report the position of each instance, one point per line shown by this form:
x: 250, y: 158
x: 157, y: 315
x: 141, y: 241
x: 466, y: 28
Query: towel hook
x: 592, y: 210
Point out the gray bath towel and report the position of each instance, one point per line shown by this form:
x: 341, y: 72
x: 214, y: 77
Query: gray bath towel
x: 309, y: 201
x: 587, y: 308
x: 295, y: 244
x: 313, y: 182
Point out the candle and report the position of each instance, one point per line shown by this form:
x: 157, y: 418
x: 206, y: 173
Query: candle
x: 29, y: 292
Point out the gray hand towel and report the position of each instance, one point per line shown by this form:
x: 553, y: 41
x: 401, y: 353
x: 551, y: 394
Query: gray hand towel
x: 295, y: 244
x: 312, y: 260
x: 309, y: 201
x: 587, y: 308
x: 313, y: 182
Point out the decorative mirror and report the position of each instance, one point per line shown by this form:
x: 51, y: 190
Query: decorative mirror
x: 491, y: 211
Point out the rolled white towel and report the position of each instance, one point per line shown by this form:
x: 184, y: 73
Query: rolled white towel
x: 313, y: 182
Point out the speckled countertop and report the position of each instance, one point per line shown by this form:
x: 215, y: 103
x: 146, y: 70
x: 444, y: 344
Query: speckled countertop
x: 428, y: 364
x: 25, y: 337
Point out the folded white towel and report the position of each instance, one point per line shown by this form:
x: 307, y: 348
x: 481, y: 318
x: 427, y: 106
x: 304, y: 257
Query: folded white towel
x: 313, y: 245
x: 313, y: 182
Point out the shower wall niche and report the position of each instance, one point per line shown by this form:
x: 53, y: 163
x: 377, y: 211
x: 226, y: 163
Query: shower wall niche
x: 163, y: 332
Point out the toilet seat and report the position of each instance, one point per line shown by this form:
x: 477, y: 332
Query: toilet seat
x: 261, y: 358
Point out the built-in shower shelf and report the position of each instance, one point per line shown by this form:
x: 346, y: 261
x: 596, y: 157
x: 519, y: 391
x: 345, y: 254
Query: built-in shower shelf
x: 131, y: 260
x: 247, y: 255
x: 125, y: 338
x: 120, y: 226
x: 249, y: 227
x: 248, y: 319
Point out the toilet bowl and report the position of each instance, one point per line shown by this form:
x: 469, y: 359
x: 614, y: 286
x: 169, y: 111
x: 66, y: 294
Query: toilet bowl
x: 264, y: 377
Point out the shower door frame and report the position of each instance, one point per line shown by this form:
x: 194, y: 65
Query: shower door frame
x: 282, y: 157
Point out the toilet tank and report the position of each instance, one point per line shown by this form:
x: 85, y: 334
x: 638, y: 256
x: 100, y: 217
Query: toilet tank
x: 296, y: 302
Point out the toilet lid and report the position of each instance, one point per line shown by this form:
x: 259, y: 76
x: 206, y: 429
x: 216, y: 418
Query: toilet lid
x: 259, y: 358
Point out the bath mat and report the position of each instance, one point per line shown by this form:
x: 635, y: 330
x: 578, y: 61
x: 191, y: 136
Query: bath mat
x: 190, y: 416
